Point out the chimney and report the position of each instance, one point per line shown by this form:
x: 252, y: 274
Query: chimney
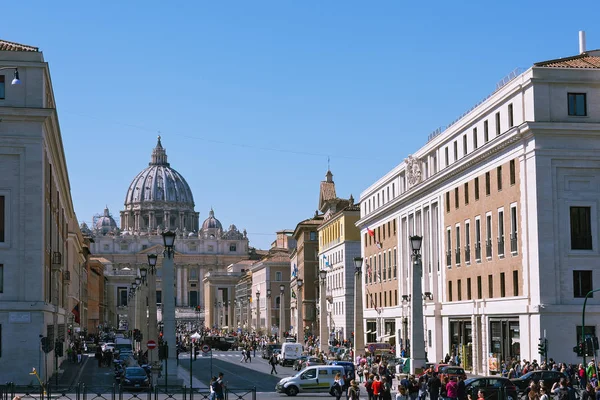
x: 581, y: 42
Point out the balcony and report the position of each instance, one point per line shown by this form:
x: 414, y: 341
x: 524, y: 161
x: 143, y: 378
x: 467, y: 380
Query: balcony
x: 457, y: 255
x: 501, y: 246
x: 478, y: 251
x: 449, y: 258
x: 513, y: 242
x: 468, y: 254
x: 488, y: 248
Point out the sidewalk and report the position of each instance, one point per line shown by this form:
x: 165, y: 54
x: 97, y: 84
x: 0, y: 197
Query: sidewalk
x: 184, y: 374
x: 69, y: 372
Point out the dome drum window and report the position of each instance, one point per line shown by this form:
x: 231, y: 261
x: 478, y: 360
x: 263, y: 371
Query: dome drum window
x: 232, y: 247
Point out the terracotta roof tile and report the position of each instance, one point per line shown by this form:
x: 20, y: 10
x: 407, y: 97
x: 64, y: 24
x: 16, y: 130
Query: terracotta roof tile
x: 12, y: 46
x: 580, y: 61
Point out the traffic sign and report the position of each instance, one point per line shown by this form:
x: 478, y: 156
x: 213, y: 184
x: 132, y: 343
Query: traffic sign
x: 205, y: 348
x: 151, y: 344
x: 371, y: 348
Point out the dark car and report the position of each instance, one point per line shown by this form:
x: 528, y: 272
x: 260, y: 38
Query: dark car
x: 218, y: 343
x: 268, y: 350
x: 349, y: 370
x: 298, y: 363
x: 549, y: 378
x: 135, y: 378
x: 494, y: 388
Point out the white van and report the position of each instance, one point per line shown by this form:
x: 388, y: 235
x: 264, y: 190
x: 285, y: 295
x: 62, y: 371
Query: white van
x: 290, y: 352
x: 317, y: 379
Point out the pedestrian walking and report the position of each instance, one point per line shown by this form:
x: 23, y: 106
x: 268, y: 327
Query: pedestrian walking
x: 273, y: 362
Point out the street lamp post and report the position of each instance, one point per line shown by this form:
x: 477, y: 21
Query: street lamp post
x: 323, y: 331
x: 257, y: 311
x: 269, y: 323
x: 417, y: 334
x: 249, y: 313
x: 300, y: 324
x: 152, y: 318
x: 281, y: 314
x: 169, y: 323
x: 359, y: 334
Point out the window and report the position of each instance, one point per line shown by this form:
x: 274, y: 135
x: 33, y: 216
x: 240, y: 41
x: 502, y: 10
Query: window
x: 464, y: 145
x: 486, y: 131
x: 490, y: 286
x: 500, y: 233
x: 193, y: 273
x: 467, y: 193
x: 313, y: 235
x: 446, y: 156
x: 582, y: 283
x: 581, y: 228
x: 499, y: 177
x: 467, y: 242
x: 458, y: 244
x: 487, y: 184
x: 456, y: 198
x: 455, y: 150
x: 474, y: 138
x: 449, y: 248
x: 232, y: 247
x: 459, y: 290
x: 394, y: 225
x: 502, y: 285
x: 516, y: 283
x: 476, y: 189
x: 278, y: 276
x: 2, y: 91
x: 468, y: 288
x: 395, y: 265
x: 447, y: 201
x: 159, y: 297
x: 1, y: 278
x: 478, y: 239
x: 498, y: 130
x: 511, y: 120
x: 488, y: 236
x: 479, y: 291
x: 122, y: 293
x: 513, y: 229
x: 577, y: 104
x: 2, y: 218
x: 449, y: 290
x: 393, y: 190
x: 513, y: 172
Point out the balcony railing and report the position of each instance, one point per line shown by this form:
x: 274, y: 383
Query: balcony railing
x: 501, y: 245
x: 488, y: 248
x: 478, y: 251
x: 467, y: 254
x: 449, y: 258
x: 457, y: 255
x: 513, y: 242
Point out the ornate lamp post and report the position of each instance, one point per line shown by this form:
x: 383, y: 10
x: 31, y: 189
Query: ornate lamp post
x: 269, y: 323
x: 359, y: 334
x: 152, y: 318
x: 300, y: 324
x: 323, y: 331
x: 281, y: 314
x: 249, y: 313
x: 417, y: 334
x: 257, y: 311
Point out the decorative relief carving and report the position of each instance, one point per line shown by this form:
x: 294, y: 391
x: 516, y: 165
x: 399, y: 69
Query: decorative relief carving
x: 413, y: 170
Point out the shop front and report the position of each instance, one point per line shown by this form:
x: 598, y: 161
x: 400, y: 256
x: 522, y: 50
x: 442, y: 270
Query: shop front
x: 461, y: 342
x: 504, y: 342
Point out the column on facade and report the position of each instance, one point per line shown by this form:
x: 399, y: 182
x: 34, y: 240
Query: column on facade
x: 209, y: 308
x: 231, y: 308
x: 179, y: 286
x: 167, y: 220
x: 151, y: 220
x: 484, y: 343
x: 184, y: 285
x: 181, y: 226
x: 475, y: 347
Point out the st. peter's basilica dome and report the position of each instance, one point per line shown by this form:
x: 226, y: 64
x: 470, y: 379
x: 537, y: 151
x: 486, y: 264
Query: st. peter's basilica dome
x: 211, y: 222
x: 159, y: 197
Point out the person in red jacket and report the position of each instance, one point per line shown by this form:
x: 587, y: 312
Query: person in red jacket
x: 376, y: 386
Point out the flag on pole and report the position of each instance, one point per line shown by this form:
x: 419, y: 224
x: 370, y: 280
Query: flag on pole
x: 76, y: 313
x: 371, y: 232
x: 295, y: 271
x: 293, y: 294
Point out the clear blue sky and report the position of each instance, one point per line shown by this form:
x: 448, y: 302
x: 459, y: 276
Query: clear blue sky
x: 252, y: 96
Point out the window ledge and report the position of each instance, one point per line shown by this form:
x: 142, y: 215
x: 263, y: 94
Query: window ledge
x: 514, y: 253
x: 488, y: 258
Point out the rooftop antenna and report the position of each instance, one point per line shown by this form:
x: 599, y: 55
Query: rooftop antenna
x: 328, y: 169
x: 581, y: 42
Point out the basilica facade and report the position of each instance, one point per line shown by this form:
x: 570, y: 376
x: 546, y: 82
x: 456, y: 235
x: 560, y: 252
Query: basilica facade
x: 159, y: 199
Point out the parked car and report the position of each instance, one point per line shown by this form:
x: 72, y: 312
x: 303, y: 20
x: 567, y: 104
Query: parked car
x: 108, y: 347
x: 310, y: 361
x: 350, y: 371
x: 299, y: 362
x: 549, y: 378
x: 135, y: 378
x: 453, y: 372
x: 494, y: 388
x: 268, y: 350
x: 317, y: 379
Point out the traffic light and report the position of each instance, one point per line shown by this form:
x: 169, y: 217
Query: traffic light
x: 46, y: 347
x: 58, y: 348
x: 542, y: 347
